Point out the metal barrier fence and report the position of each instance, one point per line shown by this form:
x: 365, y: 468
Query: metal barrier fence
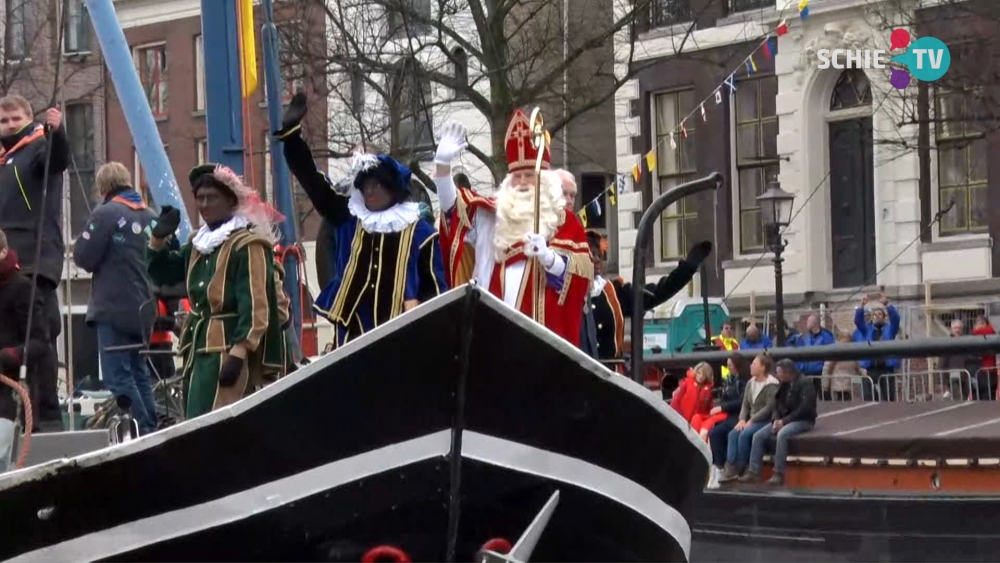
x: 843, y: 388
x: 909, y: 387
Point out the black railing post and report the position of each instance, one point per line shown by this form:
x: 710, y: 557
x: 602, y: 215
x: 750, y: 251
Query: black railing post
x: 644, y: 236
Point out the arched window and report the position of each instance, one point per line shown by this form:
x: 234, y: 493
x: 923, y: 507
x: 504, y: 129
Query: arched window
x: 852, y: 90
x: 461, y: 70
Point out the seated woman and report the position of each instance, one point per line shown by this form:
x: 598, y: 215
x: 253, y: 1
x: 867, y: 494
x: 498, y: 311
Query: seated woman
x: 794, y: 414
x: 233, y: 341
x: 733, y: 386
x: 693, y: 398
x: 755, y: 414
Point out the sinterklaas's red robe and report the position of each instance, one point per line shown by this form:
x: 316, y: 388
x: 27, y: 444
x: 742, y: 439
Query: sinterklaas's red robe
x: 560, y: 306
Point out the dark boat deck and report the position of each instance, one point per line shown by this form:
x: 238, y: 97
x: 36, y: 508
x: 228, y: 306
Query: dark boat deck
x: 909, y: 431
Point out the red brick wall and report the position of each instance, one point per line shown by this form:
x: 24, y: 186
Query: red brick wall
x: 183, y: 126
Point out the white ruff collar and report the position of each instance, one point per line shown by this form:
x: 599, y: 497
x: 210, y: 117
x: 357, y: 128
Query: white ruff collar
x: 598, y: 286
x: 207, y: 240
x: 392, y: 220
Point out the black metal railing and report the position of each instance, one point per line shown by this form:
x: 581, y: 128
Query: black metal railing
x: 747, y: 5
x: 644, y: 236
x: 665, y: 13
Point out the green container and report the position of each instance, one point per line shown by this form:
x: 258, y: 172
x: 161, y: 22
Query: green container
x: 683, y: 329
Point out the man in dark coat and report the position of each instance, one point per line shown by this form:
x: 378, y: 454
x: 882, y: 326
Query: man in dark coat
x: 25, y: 147
x: 794, y: 414
x: 113, y: 248
x: 15, y: 302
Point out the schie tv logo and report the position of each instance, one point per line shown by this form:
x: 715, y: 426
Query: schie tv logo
x: 927, y: 59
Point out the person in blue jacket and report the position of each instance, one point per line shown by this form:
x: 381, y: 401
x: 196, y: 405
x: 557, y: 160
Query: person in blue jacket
x: 881, y: 371
x: 754, y: 340
x: 814, y: 335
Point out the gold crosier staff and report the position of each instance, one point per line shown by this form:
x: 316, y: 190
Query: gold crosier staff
x: 540, y: 139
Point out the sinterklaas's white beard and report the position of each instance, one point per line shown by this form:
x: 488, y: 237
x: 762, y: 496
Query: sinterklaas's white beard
x: 516, y: 213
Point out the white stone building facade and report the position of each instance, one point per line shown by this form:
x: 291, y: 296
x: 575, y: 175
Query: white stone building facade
x: 954, y: 254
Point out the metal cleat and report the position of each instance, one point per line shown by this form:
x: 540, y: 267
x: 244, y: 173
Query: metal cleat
x: 522, y: 550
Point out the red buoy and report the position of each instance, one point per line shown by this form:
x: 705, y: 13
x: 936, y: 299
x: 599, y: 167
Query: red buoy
x: 497, y: 545
x: 387, y: 553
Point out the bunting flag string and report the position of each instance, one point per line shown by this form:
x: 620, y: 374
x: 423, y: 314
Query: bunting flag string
x: 766, y: 46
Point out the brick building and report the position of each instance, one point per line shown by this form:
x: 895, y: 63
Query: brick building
x: 167, y: 44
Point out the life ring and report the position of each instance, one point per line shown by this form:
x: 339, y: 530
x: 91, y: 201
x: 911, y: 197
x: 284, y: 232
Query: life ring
x: 497, y: 545
x: 388, y: 553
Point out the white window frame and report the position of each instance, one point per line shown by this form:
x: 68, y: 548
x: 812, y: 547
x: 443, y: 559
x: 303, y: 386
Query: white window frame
x: 79, y: 5
x: 9, y: 6
x: 734, y: 186
x: 655, y: 176
x: 936, y: 235
x: 135, y: 59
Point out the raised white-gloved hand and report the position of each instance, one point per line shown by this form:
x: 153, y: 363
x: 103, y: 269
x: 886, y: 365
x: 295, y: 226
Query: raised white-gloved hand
x: 535, y: 246
x: 451, y: 143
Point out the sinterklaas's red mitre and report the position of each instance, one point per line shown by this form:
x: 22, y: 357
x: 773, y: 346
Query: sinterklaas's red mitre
x: 520, y: 154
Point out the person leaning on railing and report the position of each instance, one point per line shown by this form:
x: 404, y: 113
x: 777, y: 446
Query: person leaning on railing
x: 958, y: 368
x: 838, y: 374
x: 986, y: 375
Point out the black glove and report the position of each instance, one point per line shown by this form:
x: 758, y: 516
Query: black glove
x: 167, y: 223
x: 164, y: 324
x: 10, y: 361
x: 230, y: 372
x: 293, y: 115
x: 699, y: 252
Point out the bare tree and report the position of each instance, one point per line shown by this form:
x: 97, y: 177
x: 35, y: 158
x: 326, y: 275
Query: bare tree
x: 394, y: 68
x: 967, y: 96
x: 30, y: 49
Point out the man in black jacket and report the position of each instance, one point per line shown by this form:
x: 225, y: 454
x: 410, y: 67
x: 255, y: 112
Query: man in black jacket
x: 15, y: 302
x: 25, y: 145
x: 794, y: 414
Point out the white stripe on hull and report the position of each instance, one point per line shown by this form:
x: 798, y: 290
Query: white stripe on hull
x: 245, y: 504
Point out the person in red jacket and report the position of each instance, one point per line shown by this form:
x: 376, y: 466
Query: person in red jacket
x: 986, y: 376
x: 694, y: 396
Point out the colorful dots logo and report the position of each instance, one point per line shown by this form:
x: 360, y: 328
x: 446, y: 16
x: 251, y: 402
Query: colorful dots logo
x: 927, y: 59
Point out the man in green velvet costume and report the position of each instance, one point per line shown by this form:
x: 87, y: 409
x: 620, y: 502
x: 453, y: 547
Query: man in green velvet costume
x: 232, y: 342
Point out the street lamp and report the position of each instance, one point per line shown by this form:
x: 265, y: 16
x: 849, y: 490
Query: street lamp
x: 776, y: 212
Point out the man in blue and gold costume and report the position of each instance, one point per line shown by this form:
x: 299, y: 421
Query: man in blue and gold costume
x: 388, y: 259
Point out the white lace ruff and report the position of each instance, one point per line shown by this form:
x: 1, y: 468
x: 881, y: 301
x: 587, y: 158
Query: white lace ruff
x: 392, y: 220
x: 207, y: 240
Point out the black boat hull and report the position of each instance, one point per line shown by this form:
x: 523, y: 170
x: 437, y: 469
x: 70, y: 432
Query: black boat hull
x: 404, y: 507
x: 526, y: 413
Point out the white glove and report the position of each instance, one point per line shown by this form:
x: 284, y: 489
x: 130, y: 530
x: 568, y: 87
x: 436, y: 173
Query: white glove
x: 536, y: 247
x: 451, y: 143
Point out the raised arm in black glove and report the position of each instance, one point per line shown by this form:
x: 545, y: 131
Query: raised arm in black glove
x: 293, y: 115
x: 230, y: 372
x: 669, y: 285
x: 167, y: 223
x: 699, y: 253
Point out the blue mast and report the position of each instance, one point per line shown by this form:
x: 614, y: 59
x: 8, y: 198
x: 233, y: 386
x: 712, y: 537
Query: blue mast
x: 135, y: 106
x: 223, y: 90
x: 279, y: 168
